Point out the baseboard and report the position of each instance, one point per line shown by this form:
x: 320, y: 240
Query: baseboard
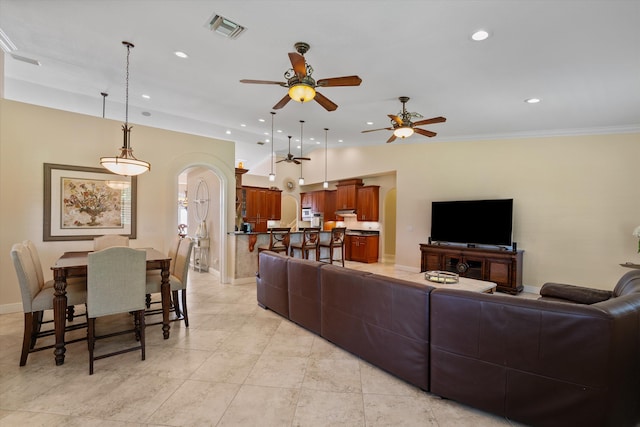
x: 16, y: 307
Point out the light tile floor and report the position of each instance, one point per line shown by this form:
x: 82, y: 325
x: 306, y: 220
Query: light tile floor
x: 236, y: 365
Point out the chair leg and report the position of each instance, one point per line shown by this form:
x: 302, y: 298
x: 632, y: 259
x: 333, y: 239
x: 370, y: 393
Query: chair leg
x: 330, y: 254
x: 36, y: 325
x: 71, y: 310
x: 141, y: 328
x: 27, y: 338
x: 176, y: 303
x: 183, y: 293
x: 148, y: 300
x: 91, y: 341
x: 342, y: 254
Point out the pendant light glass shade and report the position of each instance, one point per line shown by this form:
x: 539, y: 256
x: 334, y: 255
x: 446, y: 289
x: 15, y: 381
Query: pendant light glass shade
x: 125, y: 163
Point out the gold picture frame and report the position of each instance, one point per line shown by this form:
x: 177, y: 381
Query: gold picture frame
x: 81, y: 203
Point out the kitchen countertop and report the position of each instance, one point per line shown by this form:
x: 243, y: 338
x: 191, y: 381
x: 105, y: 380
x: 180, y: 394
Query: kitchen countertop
x: 354, y: 232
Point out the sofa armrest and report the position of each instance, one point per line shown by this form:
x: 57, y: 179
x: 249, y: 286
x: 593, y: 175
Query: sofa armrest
x: 573, y: 293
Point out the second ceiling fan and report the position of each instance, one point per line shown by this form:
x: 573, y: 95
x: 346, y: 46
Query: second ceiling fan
x: 403, y: 127
x: 302, y: 87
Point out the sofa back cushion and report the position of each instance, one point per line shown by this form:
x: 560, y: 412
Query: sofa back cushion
x: 272, y: 282
x: 304, y: 293
x: 381, y: 319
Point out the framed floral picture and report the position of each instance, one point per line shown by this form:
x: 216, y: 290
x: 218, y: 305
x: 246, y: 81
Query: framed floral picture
x: 81, y: 203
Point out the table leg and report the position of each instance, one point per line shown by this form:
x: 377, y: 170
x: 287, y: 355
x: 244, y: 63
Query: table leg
x: 165, y: 290
x: 59, y: 313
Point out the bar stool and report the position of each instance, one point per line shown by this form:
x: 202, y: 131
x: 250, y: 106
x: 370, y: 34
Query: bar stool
x: 310, y: 241
x: 335, y: 241
x: 279, y: 238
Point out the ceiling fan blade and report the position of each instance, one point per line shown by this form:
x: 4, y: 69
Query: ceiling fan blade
x: 396, y: 119
x: 263, y: 82
x: 393, y: 138
x: 282, y: 102
x: 340, y: 81
x: 302, y: 158
x: 430, y: 121
x: 424, y: 132
x: 374, y: 130
x: 295, y: 161
x: 298, y: 64
x: 325, y: 102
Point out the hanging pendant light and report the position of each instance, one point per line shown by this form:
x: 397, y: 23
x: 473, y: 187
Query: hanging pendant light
x: 301, y: 179
x: 325, y: 184
x: 125, y: 163
x: 272, y: 176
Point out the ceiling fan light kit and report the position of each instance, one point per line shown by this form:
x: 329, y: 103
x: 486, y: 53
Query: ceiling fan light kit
x: 301, y: 86
x: 403, y: 127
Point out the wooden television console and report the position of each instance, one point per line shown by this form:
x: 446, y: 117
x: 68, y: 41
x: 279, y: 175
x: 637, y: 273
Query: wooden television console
x: 504, y: 267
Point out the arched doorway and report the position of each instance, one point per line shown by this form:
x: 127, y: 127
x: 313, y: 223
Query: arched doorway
x: 389, y: 252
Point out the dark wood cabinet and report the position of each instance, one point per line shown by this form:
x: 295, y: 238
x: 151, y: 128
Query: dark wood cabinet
x: 347, y: 193
x: 361, y: 248
x: 260, y: 206
x: 321, y: 201
x: 494, y: 265
x: 367, y: 204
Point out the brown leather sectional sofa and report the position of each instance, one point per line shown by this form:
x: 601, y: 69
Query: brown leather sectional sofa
x: 543, y: 363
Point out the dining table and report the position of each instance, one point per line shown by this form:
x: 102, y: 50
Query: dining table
x: 74, y: 264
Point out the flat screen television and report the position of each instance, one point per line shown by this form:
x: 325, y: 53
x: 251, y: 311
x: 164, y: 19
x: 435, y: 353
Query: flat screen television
x: 483, y: 222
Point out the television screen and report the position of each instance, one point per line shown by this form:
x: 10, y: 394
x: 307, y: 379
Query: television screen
x: 486, y: 222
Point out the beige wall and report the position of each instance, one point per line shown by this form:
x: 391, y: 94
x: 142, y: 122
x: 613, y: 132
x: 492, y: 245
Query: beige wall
x: 576, y: 198
x: 32, y: 135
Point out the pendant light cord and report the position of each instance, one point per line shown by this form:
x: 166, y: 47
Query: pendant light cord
x: 272, y: 115
x: 326, y: 130
x: 126, y: 93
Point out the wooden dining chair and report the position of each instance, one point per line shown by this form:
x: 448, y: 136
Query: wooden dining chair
x: 335, y: 241
x: 36, y: 298
x: 310, y: 241
x: 116, y: 279
x: 279, y: 240
x: 177, y: 280
x: 109, y: 240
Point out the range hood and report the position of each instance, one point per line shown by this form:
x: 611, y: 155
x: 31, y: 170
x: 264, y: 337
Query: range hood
x: 346, y: 212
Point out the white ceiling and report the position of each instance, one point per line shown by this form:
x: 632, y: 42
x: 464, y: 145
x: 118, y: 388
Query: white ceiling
x: 582, y: 58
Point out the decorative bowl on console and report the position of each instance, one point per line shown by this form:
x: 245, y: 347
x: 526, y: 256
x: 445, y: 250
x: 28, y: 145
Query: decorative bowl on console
x: 441, y: 276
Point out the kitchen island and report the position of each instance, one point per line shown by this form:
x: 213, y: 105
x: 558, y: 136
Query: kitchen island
x: 244, y: 247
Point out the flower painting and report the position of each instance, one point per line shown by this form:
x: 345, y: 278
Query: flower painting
x: 90, y: 203
x: 81, y: 203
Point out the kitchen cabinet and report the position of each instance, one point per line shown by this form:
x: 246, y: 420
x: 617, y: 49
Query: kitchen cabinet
x: 260, y: 206
x: 361, y: 248
x: 493, y: 265
x: 367, y: 207
x: 347, y: 193
x: 321, y: 201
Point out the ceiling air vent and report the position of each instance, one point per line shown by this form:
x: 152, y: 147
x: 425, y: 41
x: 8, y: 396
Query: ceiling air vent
x: 223, y: 26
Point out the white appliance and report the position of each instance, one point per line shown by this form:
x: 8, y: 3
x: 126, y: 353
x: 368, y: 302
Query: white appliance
x: 307, y: 214
x: 317, y: 220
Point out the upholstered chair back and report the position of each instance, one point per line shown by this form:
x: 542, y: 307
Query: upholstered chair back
x: 109, y: 240
x: 27, y: 276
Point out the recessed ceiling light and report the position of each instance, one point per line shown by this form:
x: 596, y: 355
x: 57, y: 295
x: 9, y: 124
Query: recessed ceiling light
x: 279, y: 131
x: 243, y: 125
x: 532, y: 100
x: 146, y: 96
x: 480, y: 35
x: 146, y: 114
x: 369, y: 123
x: 261, y: 120
x: 181, y: 54
x: 340, y: 140
x: 228, y: 132
x: 266, y: 133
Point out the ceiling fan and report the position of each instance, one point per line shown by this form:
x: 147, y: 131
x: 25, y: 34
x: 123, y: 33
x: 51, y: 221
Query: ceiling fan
x: 290, y: 157
x: 302, y: 87
x: 403, y: 127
